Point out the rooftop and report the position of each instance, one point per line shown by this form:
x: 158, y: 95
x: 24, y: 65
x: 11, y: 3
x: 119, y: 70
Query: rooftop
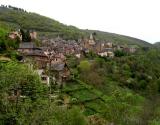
x: 27, y: 45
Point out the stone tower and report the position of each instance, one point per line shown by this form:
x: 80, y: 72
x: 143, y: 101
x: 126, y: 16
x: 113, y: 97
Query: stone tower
x: 91, y: 40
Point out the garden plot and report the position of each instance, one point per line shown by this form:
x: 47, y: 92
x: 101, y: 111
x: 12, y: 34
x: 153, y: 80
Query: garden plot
x: 82, y: 96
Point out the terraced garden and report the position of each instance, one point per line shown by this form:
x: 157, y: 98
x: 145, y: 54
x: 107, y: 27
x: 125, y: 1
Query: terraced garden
x: 94, y: 102
x: 84, y: 96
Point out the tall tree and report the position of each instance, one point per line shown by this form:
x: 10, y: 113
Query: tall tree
x: 25, y: 35
x: 28, y: 37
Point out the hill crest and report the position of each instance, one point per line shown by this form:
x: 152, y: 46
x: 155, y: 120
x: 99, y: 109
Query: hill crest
x: 19, y: 18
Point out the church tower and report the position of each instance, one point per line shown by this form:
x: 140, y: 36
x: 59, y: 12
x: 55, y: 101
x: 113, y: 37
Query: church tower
x: 91, y: 40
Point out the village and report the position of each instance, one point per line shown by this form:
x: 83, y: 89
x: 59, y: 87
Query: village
x: 79, y: 62
x: 52, y: 54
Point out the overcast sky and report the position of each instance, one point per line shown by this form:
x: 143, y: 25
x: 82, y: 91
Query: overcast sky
x: 136, y: 18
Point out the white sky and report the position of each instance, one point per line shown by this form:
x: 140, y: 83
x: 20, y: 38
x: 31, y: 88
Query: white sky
x: 136, y: 18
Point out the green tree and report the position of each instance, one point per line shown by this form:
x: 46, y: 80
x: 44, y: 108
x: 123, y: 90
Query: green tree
x: 119, y: 53
x: 84, y: 66
x: 17, y: 82
x: 25, y: 35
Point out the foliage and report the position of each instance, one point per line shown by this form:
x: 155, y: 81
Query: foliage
x: 119, y: 53
x: 84, y: 66
x: 39, y: 23
x: 6, y: 43
x: 25, y: 36
x: 20, y: 77
x: 31, y: 105
x: 16, y: 78
x: 119, y: 79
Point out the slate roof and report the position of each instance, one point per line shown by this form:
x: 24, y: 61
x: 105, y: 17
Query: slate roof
x: 58, y: 67
x: 27, y: 45
x: 37, y: 53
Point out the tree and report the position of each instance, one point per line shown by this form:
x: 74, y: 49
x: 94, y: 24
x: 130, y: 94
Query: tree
x: 31, y: 105
x: 25, y: 35
x: 28, y: 37
x: 17, y: 81
x: 119, y: 53
x: 8, y: 44
x: 84, y: 66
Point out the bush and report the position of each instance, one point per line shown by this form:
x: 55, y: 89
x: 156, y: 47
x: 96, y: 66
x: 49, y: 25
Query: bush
x: 119, y: 53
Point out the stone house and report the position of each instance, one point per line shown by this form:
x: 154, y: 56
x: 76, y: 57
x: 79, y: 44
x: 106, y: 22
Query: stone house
x: 58, y: 58
x: 89, y: 44
x: 107, y: 52
x: 26, y: 47
x: 61, y: 72
x: 44, y: 78
x: 103, y: 53
x: 39, y: 57
x: 130, y: 49
x: 33, y: 35
x: 109, y: 45
x: 13, y: 35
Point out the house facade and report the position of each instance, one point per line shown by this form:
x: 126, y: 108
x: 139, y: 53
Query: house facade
x: 14, y: 35
x: 61, y: 72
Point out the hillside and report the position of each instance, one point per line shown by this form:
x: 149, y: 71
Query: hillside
x: 157, y: 44
x: 51, y: 28
x: 119, y: 39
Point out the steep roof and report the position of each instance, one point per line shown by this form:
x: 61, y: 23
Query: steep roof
x: 58, y: 67
x: 37, y: 53
x: 27, y: 45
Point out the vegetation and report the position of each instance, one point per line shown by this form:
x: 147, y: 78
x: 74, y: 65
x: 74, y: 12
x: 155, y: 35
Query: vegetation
x: 25, y: 36
x: 24, y: 100
x: 7, y: 45
x: 26, y: 20
x: 123, y: 90
x: 119, y: 53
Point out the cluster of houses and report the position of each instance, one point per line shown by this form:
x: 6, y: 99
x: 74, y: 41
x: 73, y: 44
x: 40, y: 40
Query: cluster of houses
x: 65, y: 47
x: 101, y: 48
x: 43, y: 59
x: 104, y: 48
x: 52, y: 54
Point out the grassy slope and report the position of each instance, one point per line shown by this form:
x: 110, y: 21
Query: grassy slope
x: 50, y: 27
